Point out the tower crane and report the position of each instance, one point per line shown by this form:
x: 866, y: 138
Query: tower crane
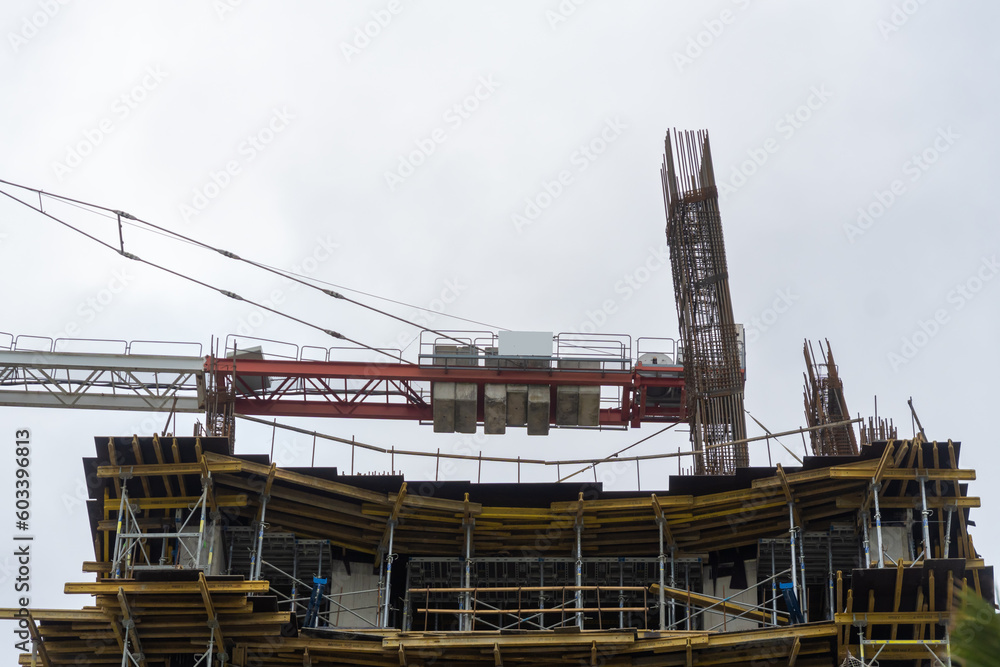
x: 462, y: 380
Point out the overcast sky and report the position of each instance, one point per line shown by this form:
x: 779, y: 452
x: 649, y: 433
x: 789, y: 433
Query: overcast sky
x: 406, y: 149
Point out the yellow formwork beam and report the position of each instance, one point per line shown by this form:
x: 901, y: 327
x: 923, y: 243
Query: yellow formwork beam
x: 175, y: 502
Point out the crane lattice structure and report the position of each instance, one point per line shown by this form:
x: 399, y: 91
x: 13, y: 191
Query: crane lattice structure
x: 713, y: 355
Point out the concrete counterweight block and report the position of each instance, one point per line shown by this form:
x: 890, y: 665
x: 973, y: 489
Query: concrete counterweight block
x: 567, y: 405
x: 517, y: 404
x: 538, y: 409
x: 590, y: 399
x: 443, y: 406
x: 590, y: 406
x: 465, y: 407
x: 495, y: 409
x: 578, y: 405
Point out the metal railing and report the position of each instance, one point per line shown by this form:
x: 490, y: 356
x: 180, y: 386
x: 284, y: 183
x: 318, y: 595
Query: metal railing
x: 534, y: 615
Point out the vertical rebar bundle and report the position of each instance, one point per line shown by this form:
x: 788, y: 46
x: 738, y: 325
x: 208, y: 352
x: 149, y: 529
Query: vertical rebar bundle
x: 877, y: 429
x: 823, y: 394
x: 712, y: 351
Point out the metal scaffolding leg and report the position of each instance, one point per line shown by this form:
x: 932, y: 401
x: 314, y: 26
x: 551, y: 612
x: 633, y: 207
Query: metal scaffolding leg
x: 381, y: 591
x: 947, y: 532
x: 579, y: 574
x: 829, y: 573
x: 207, y: 656
x: 119, y: 541
x: 229, y: 556
x: 909, y: 535
x: 864, y: 527
x: 388, y: 574
x: 804, y: 602
x: 774, y: 591
x: 542, y: 598
x: 673, y: 584
x: 407, y: 611
x: 621, y: 592
x: 878, y: 525
x: 791, y: 544
x: 924, y: 512
x: 687, y: 587
x: 663, y: 567
x: 255, y: 574
x: 201, y: 525
x: 465, y: 621
x: 216, y: 516
x: 295, y: 575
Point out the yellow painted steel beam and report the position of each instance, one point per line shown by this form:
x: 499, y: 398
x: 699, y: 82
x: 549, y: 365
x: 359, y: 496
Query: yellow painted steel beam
x: 213, y: 618
x: 229, y: 603
x: 912, y: 474
x: 158, y: 452
x: 176, y: 502
x: 266, y: 493
x: 137, y: 453
x: 226, y: 620
x: 864, y: 470
x: 937, y: 502
x: 298, y: 479
x: 130, y: 632
x: 517, y: 513
x: 888, y: 617
x: 794, y: 653
x: 164, y: 588
x: 883, y: 463
x: 153, y: 469
x: 176, y: 453
x: 56, y: 614
x: 722, y: 640
x: 303, y: 498
x: 639, y: 502
x: 393, y: 518
x: 488, y: 639
x: 440, y: 504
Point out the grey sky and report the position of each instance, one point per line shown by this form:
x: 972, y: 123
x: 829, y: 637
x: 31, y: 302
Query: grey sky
x: 285, y: 133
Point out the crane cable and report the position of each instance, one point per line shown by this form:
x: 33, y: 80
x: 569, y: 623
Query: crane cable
x: 221, y: 251
x: 231, y: 295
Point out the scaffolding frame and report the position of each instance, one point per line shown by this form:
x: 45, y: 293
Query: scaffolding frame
x: 130, y: 539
